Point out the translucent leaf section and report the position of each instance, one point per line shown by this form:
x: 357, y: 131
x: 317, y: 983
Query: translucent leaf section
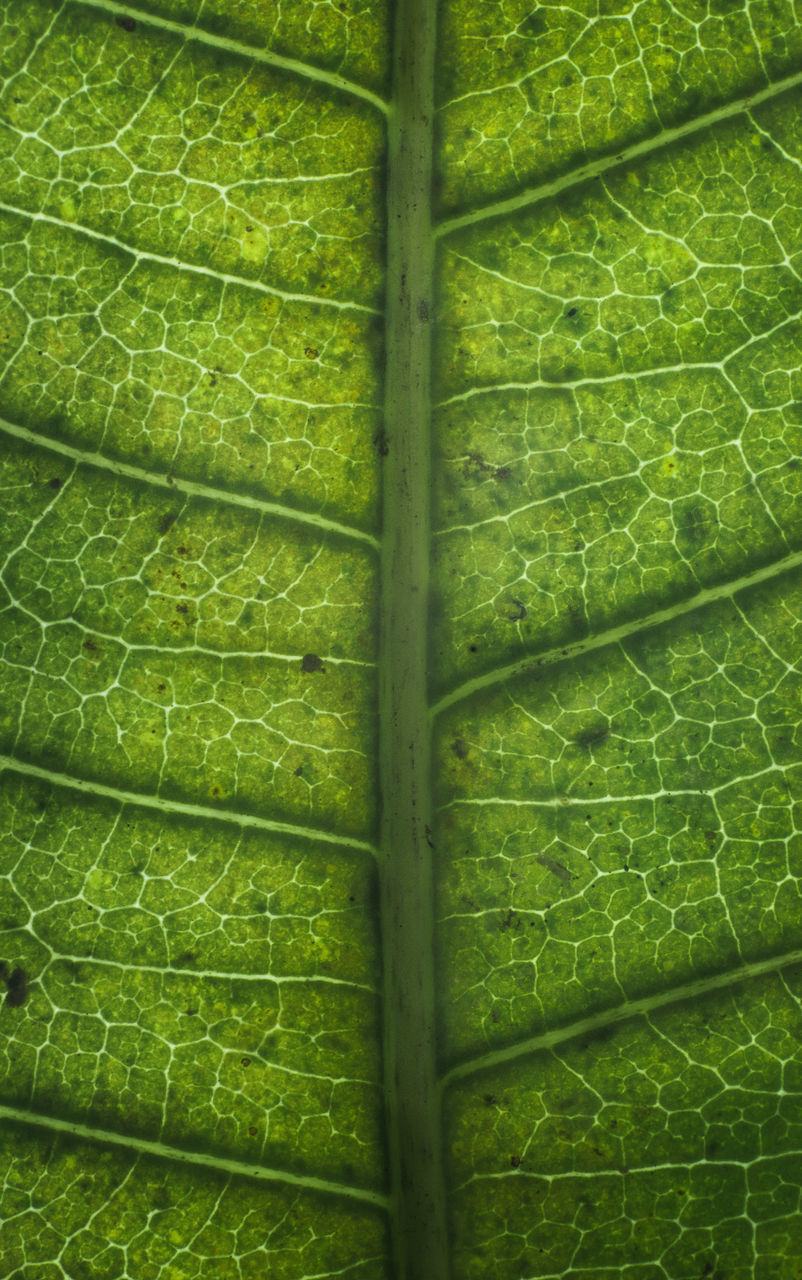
x: 70, y: 1210
x: 181, y: 649
x: 668, y: 1147
x: 192, y: 262
x: 529, y: 91
x: 209, y: 987
x: 180, y: 151
x: 349, y: 38
x: 620, y: 376
x: 626, y: 823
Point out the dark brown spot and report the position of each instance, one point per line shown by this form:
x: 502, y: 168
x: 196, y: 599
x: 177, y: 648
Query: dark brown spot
x: 55, y: 483
x: 311, y: 353
x: 17, y: 988
x: 127, y: 24
x: 312, y: 662
x: 515, y: 1162
x: 517, y: 612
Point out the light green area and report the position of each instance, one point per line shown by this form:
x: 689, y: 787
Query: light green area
x: 182, y: 152
x: 176, y: 648
x: 620, y: 395
x: 178, y: 371
x: 130, y: 924
x: 533, y: 90
x: 218, y: 280
x: 75, y: 1209
x: 668, y: 1147
x: 346, y: 37
x: 612, y: 827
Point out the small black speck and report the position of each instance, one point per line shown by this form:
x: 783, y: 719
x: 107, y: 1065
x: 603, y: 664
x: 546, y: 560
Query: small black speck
x: 312, y: 662
x: 572, y: 312
x: 55, y: 483
x: 460, y: 748
x: 127, y: 24
x: 298, y: 773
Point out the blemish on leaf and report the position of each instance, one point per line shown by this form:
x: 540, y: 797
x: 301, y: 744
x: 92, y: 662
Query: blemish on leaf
x: 311, y: 353
x: 55, y: 483
x: 593, y: 736
x: 552, y: 865
x: 16, y: 988
x: 460, y: 748
x: 165, y: 522
x: 517, y: 612
x: 515, y: 1162
x: 127, y: 24
x: 312, y: 662
x: 381, y: 443
x: 510, y: 921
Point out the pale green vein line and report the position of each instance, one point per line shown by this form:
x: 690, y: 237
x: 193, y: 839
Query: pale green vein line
x: 190, y: 487
x: 616, y: 635
x: 598, y: 168
x: 182, y: 650
x: 147, y: 255
x: 621, y: 1013
x: 332, y: 79
x: 144, y: 801
x: 218, y: 975
x: 678, y: 1166
x: 162, y: 1151
x: 556, y: 384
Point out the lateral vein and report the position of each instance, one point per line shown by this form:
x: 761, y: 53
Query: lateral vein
x: 621, y: 1013
x: 294, y: 65
x: 177, y: 264
x: 616, y: 635
x: 164, y: 1151
x: 192, y: 488
x: 90, y: 787
x: 598, y: 168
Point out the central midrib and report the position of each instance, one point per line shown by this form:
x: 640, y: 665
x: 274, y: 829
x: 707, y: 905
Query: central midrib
x: 417, y: 1193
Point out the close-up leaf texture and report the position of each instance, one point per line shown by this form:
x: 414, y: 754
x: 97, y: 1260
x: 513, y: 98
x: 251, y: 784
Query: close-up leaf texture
x: 400, y: 638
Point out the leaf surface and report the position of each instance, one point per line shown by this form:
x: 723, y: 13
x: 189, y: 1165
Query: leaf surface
x: 400, y: 621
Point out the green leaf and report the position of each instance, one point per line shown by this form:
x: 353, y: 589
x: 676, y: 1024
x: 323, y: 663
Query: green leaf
x: 400, y: 626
